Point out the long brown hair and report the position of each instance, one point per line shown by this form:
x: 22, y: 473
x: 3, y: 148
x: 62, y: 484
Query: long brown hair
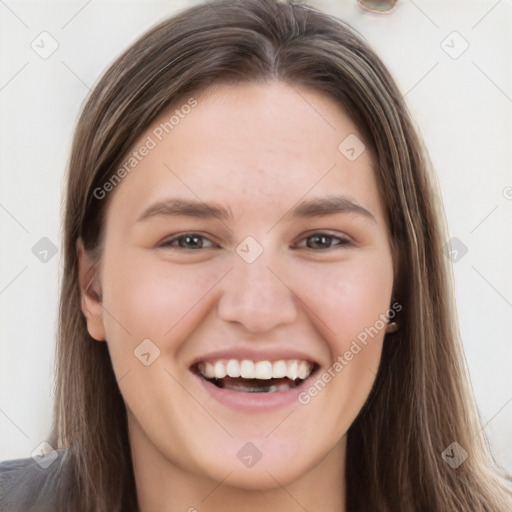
x: 421, y: 401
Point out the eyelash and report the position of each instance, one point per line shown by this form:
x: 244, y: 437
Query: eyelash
x: 342, y: 242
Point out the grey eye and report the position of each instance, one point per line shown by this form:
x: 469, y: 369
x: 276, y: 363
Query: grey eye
x: 191, y: 241
x: 321, y: 241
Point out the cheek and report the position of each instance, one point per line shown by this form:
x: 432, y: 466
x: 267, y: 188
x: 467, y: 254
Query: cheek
x: 348, y: 296
x: 147, y: 297
x: 349, y: 300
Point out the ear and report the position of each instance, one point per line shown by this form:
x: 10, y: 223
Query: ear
x: 90, y: 293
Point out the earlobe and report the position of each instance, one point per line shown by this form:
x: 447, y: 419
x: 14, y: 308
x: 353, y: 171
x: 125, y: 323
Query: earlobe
x: 391, y: 327
x: 90, y: 293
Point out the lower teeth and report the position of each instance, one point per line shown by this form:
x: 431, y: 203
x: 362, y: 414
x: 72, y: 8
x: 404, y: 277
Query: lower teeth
x: 256, y: 385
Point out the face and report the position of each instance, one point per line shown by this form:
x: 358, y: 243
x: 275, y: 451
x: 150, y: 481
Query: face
x: 245, y: 240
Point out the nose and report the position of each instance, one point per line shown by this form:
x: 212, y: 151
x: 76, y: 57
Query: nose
x: 256, y: 296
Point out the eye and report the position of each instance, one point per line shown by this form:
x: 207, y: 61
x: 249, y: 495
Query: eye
x: 323, y: 241
x: 191, y: 241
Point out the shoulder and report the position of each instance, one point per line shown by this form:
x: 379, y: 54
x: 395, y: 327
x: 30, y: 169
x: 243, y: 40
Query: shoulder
x: 31, y: 485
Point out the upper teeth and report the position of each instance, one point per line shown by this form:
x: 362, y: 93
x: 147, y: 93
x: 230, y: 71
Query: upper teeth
x: 247, y: 369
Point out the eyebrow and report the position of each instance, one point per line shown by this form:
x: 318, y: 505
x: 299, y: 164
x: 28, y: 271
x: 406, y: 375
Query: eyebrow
x: 305, y: 209
x: 185, y: 207
x: 328, y: 206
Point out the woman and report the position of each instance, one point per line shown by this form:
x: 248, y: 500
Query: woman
x: 256, y: 309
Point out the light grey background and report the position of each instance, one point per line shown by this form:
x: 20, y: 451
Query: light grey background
x: 462, y: 105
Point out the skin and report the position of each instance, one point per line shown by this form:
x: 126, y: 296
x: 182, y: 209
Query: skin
x: 256, y: 150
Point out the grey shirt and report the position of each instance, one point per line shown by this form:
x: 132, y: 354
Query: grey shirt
x: 28, y: 485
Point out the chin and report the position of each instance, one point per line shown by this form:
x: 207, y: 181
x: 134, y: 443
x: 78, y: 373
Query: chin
x: 269, y: 465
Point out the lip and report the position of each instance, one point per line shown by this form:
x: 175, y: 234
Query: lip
x: 254, y: 402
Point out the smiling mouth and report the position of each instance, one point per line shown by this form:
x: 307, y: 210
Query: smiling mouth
x: 248, y: 376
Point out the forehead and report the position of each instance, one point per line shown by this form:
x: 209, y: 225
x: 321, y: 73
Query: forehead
x: 271, y: 143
